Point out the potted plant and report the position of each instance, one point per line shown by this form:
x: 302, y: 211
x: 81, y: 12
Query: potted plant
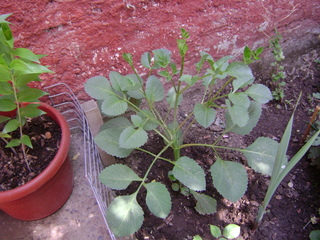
x: 19, y: 105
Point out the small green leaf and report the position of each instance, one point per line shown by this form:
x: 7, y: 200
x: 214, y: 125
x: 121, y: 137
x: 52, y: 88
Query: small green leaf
x: 26, y: 54
x: 14, y: 143
x: 146, y: 60
x: 11, y: 126
x: 158, y: 199
x: 3, y: 18
x: 215, y: 231
x: 197, y: 237
x: 205, y: 204
x: 162, y: 58
x: 108, y: 141
x: 98, y: 87
x: 260, y: 93
x: 154, y: 89
x: 149, y: 120
x: 231, y: 231
x: 124, y: 215
x: 128, y: 58
x: 136, y: 120
x: 188, y: 172
x: 230, y: 179
x: 133, y: 138
x: 4, y: 135
x: 118, y: 176
x: 204, y: 115
x: 314, y: 235
x: 114, y: 106
x: 188, y: 79
x: 3, y: 119
x: 25, y: 139
x: 7, y: 105
x: 261, y: 155
x: 172, y: 96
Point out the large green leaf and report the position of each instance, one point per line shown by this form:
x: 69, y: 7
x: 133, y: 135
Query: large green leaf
x: 204, y: 115
x: 158, y: 199
x: 261, y: 155
x: 5, y: 88
x: 26, y: 78
x: 239, y: 99
x: 114, y: 106
x: 133, y: 138
x: 124, y: 215
x: 231, y: 231
x: 260, y: 93
x: 205, y: 204
x: 31, y: 110
x: 98, y: 87
x: 154, y: 89
x: 254, y: 114
x: 22, y: 67
x: 108, y: 141
x: 118, y: 176
x: 239, y: 114
x: 30, y: 95
x: 188, y: 172
x: 7, y: 105
x: 230, y: 179
x: 117, y: 123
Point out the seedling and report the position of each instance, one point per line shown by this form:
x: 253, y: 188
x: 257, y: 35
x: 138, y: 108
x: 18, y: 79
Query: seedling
x: 231, y: 231
x: 119, y: 136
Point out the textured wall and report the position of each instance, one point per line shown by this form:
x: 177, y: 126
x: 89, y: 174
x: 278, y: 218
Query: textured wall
x: 84, y: 38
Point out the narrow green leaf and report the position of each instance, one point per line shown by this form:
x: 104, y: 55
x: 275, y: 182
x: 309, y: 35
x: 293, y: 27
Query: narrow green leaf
x: 7, y: 105
x: 31, y: 110
x: 231, y: 231
x: 230, y: 179
x: 113, y: 106
x: 124, y: 215
x: 26, y: 78
x: 3, y: 18
x: 4, y: 135
x: 204, y: 115
x: 25, y: 53
x: 3, y: 119
x: 154, y: 89
x: 98, y: 87
x: 30, y: 95
x: 260, y: 93
x: 14, y: 143
x: 261, y: 155
x: 25, y: 139
x: 215, y: 231
x: 188, y: 172
x: 158, y: 199
x: 11, y: 126
x: 133, y: 138
x: 118, y: 176
x: 205, y: 204
x: 108, y: 141
x: 4, y: 73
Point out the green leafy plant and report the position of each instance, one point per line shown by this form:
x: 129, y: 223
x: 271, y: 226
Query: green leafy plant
x: 231, y: 231
x: 142, y: 95
x: 250, y: 55
x: 282, y: 166
x: 278, y: 74
x: 18, y: 67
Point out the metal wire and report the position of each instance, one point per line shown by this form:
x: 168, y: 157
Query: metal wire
x: 66, y: 102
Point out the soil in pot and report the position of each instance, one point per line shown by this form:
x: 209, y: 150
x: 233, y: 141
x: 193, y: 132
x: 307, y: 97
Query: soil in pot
x: 45, y: 135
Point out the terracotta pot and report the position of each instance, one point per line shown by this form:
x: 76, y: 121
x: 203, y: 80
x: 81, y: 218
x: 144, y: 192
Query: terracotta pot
x: 47, y: 192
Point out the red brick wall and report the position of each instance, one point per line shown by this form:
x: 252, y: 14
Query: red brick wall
x: 85, y: 38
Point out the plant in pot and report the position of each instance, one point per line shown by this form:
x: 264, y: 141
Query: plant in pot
x: 31, y: 187
x: 227, y: 88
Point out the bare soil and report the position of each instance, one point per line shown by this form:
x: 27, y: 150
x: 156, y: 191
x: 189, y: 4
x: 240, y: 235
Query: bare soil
x: 297, y: 197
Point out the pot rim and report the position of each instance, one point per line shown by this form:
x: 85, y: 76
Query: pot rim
x: 54, y: 165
